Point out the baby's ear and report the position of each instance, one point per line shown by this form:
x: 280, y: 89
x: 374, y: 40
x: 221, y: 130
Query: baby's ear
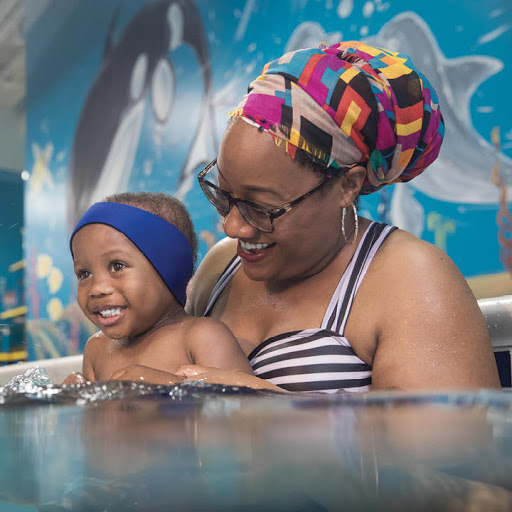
x: 351, y: 184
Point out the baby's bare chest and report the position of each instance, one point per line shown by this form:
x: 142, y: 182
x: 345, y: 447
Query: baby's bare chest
x: 162, y: 354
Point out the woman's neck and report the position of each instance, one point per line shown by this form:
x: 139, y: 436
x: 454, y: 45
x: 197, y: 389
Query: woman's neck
x: 331, y: 267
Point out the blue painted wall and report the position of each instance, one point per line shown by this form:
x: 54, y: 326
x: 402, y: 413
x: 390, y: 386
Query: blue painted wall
x: 124, y: 96
x: 11, y: 225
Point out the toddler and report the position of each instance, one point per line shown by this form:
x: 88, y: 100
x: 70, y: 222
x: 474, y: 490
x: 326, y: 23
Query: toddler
x: 133, y: 255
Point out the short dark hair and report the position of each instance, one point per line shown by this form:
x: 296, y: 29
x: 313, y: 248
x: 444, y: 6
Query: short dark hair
x: 165, y: 206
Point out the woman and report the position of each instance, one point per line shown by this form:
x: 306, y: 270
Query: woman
x: 319, y: 298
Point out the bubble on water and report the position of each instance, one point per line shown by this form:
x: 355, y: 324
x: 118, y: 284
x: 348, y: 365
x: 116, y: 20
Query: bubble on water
x: 30, y: 380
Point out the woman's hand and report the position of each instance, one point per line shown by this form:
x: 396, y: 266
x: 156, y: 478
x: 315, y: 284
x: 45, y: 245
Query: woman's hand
x: 197, y: 373
x: 75, y: 378
x: 141, y: 373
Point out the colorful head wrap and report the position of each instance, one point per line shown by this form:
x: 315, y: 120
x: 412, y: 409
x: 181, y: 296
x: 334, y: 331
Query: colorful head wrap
x: 162, y: 243
x: 349, y: 103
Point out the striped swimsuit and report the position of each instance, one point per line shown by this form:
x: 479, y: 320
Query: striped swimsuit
x: 317, y: 360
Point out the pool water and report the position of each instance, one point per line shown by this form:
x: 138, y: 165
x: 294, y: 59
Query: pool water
x: 122, y: 446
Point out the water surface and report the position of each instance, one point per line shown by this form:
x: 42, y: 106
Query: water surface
x: 122, y: 446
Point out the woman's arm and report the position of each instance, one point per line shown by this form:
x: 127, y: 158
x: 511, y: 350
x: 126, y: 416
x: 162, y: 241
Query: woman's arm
x: 193, y: 373
x: 430, y: 331
x: 196, y: 373
x: 207, y: 274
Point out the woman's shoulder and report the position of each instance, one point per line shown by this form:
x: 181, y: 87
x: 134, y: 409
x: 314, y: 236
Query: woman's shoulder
x: 417, y: 322
x: 406, y: 249
x: 407, y: 262
x: 207, y: 274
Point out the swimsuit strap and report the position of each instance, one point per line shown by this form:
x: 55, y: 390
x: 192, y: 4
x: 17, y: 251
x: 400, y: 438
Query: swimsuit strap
x: 338, y: 311
x: 223, y: 280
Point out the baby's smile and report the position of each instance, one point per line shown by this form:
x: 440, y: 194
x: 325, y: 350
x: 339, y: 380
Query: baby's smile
x: 110, y: 312
x: 109, y: 316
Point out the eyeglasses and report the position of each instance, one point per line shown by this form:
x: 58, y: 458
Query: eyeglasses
x: 260, y: 217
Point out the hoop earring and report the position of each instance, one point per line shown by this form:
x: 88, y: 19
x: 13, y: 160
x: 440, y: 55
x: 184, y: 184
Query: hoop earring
x: 356, y: 223
x: 343, y: 224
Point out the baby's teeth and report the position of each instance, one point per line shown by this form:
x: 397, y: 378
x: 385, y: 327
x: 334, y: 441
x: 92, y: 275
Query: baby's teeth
x: 110, y: 312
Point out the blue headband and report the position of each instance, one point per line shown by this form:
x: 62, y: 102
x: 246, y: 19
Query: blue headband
x: 163, y: 244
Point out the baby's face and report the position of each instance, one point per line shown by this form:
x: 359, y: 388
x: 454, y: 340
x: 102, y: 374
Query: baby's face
x: 118, y: 288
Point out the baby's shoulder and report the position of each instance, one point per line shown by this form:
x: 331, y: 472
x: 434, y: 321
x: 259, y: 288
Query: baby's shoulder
x: 189, y: 329
x: 200, y: 325
x: 204, y: 331
x: 96, y: 343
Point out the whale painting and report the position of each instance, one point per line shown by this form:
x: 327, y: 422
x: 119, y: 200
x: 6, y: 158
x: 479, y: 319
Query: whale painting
x: 136, y: 66
x: 134, y: 94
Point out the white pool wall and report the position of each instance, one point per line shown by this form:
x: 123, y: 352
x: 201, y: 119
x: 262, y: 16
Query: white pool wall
x: 58, y: 368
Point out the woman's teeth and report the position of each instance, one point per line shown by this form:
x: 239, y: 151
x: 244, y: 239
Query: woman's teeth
x: 110, y: 312
x: 247, y: 247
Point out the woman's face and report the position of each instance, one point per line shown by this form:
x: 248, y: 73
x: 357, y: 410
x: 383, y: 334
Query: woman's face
x: 306, y: 238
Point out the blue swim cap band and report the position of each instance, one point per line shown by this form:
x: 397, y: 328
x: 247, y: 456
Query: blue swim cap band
x: 163, y: 244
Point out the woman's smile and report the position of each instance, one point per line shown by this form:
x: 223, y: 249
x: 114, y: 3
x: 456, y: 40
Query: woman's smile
x: 252, y: 252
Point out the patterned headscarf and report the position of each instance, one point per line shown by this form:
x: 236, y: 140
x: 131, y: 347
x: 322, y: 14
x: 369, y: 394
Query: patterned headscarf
x: 349, y: 103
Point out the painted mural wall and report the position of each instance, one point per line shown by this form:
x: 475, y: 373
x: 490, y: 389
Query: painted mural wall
x: 134, y: 95
x: 11, y: 254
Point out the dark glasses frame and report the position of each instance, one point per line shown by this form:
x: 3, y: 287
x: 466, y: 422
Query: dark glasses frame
x: 271, y: 213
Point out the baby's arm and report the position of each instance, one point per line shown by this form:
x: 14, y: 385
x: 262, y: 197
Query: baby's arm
x: 91, y: 348
x: 87, y: 373
x: 210, y: 343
